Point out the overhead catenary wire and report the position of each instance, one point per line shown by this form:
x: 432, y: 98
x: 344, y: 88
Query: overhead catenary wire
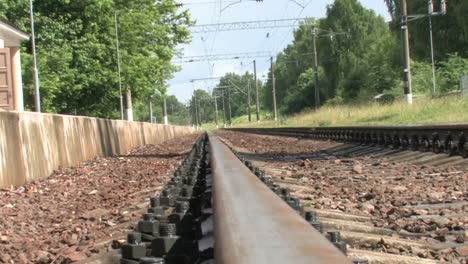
x: 227, y: 56
x: 246, y: 25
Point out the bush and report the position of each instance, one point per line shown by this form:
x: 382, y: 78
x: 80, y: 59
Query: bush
x: 337, y: 100
x: 451, y: 72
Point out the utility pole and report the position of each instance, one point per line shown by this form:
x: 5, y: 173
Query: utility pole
x: 406, y: 52
x: 229, y: 105
x: 37, y: 94
x: 248, y: 100
x: 273, y: 81
x: 256, y: 91
x: 442, y: 11
x: 166, y: 121
x: 432, y: 54
x: 118, y: 62
x: 196, y: 110
x: 224, y: 111
x: 316, y: 83
x: 216, y: 111
x: 199, y: 113
x: 191, y: 112
x: 151, y: 108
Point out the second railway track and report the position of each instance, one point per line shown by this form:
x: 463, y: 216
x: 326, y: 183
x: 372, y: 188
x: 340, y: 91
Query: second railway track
x: 391, y: 205
x: 450, y: 139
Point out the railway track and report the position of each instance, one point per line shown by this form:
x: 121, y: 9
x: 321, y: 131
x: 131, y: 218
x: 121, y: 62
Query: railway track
x: 284, y: 198
x: 391, y: 205
x: 450, y: 139
x: 217, y: 210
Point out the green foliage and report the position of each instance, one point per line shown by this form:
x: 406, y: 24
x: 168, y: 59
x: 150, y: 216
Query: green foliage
x: 357, y: 56
x: 237, y: 87
x: 177, y: 112
x: 360, y: 63
x: 424, y: 110
x: 76, y: 48
x: 451, y: 71
x: 448, y: 74
x: 302, y: 96
x: 201, y: 107
x: 449, y: 30
x: 421, y: 77
x: 231, y: 87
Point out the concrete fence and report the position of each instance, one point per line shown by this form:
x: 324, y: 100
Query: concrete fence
x: 33, y: 145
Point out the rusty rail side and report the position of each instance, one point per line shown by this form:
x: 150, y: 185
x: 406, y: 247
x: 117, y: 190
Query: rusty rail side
x: 253, y: 225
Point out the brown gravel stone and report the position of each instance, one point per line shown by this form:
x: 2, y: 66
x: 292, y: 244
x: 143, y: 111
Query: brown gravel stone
x: 462, y: 251
x: 357, y: 169
x: 77, y: 206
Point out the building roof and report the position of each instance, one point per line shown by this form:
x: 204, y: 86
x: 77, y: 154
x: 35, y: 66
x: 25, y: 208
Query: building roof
x: 11, y: 34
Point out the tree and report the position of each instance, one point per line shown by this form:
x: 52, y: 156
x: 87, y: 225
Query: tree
x: 178, y: 112
x: 202, y: 107
x: 358, y: 57
x: 450, y: 31
x: 77, y: 55
x: 361, y: 62
x: 238, y: 86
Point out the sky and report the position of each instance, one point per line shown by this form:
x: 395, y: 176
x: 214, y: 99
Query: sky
x: 271, y: 40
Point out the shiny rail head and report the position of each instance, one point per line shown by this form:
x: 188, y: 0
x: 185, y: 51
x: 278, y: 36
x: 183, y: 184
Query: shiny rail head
x: 253, y: 225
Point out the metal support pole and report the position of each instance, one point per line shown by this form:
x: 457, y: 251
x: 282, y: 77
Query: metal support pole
x: 216, y: 111
x: 200, y: 121
x: 196, y: 109
x: 224, y: 111
x: 192, y: 113
x: 434, y: 85
x: 316, y: 81
x: 273, y: 81
x: 151, y: 108
x: 229, y: 105
x: 166, y: 120
x: 248, y: 101
x: 37, y: 94
x: 406, y: 51
x: 118, y: 62
x: 256, y: 91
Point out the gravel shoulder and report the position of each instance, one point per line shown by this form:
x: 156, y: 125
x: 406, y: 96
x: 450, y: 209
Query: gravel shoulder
x: 78, y: 211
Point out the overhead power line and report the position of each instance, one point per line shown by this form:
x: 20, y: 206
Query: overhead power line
x: 229, y: 56
x: 245, y: 25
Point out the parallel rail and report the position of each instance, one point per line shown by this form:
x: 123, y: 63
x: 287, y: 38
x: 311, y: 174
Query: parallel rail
x: 450, y: 139
x: 254, y: 225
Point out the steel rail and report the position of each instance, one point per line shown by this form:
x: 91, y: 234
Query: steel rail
x: 253, y: 225
x: 451, y: 139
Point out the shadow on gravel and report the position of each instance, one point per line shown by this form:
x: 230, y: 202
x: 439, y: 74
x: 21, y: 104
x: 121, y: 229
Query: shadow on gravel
x: 161, y: 156
x: 350, y: 151
x: 283, y: 156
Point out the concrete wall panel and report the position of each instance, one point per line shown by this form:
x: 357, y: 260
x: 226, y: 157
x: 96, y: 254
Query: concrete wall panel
x: 33, y: 145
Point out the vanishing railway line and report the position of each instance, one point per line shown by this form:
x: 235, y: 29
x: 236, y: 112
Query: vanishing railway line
x: 216, y: 210
x: 371, y: 195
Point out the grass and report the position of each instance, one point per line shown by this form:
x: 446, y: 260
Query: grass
x: 444, y: 110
